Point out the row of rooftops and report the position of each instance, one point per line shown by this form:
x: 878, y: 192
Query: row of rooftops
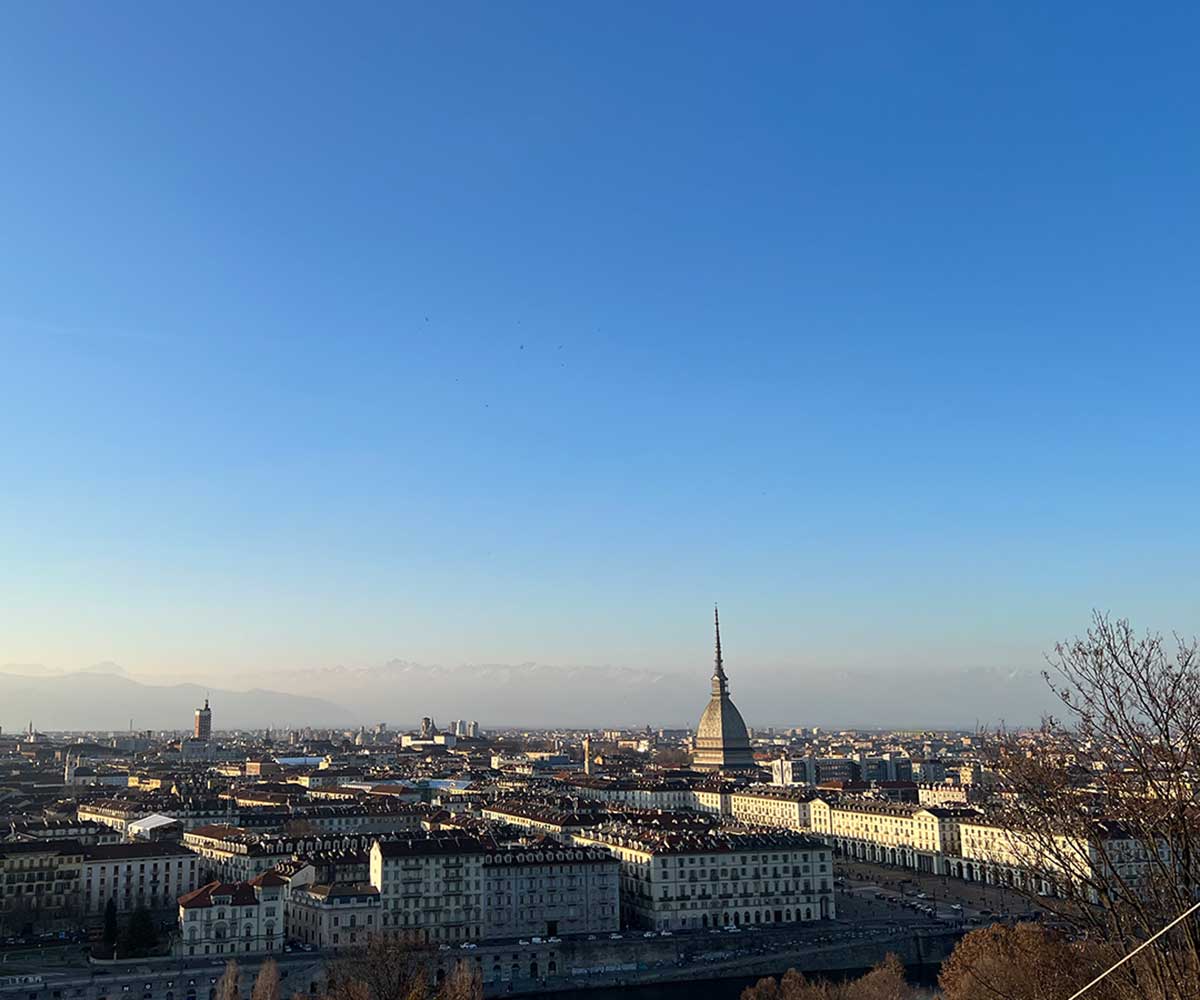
x: 881, y: 807
x: 129, y: 851
x: 714, y: 841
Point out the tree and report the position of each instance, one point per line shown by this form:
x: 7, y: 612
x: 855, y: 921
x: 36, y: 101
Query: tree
x: 389, y: 968
x: 266, y: 983
x: 141, y: 935
x: 1026, y: 962
x: 1099, y: 808
x: 884, y: 982
x: 229, y: 987
x: 111, y: 928
x: 463, y: 983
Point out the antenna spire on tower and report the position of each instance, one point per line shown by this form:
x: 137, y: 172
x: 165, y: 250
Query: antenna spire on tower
x: 717, y: 628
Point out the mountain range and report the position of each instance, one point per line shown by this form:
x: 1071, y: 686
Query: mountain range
x: 92, y: 699
x: 400, y: 692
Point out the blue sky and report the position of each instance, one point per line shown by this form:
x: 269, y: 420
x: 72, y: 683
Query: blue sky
x: 486, y: 332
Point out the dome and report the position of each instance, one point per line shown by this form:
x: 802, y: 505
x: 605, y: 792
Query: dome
x: 722, y: 725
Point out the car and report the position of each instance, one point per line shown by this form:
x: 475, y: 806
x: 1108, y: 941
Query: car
x: 615, y: 937
x: 591, y: 937
x: 550, y: 940
x: 649, y: 934
x: 922, y: 895
x: 536, y: 940
x: 956, y: 906
x: 733, y: 930
x: 443, y: 947
x: 665, y: 934
x: 522, y: 941
x: 468, y: 946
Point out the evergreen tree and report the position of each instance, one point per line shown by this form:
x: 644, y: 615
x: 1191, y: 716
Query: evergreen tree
x: 143, y: 937
x: 110, y: 924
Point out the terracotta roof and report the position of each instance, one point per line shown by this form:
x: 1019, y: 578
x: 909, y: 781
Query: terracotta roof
x: 221, y: 893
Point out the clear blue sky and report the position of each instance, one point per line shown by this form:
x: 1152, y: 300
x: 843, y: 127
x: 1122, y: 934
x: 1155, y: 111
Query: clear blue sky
x: 506, y: 332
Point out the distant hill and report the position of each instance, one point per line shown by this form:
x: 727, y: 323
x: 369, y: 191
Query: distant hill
x: 498, y: 694
x: 106, y: 700
x: 533, y: 694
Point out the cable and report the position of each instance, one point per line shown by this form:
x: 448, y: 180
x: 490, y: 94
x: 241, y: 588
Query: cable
x: 1112, y: 968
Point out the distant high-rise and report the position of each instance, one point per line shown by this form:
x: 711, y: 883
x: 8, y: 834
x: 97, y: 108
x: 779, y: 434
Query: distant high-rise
x: 203, y: 727
x: 473, y: 729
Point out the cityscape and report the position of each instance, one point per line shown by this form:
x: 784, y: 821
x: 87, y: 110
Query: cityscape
x: 599, y: 501
x: 543, y: 861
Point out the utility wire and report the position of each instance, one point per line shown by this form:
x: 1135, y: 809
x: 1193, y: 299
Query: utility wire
x: 1112, y: 968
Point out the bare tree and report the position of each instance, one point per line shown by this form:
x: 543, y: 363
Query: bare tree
x: 884, y: 982
x: 463, y: 983
x: 1026, y: 962
x: 266, y: 983
x: 229, y: 986
x: 1103, y: 829
x: 388, y: 968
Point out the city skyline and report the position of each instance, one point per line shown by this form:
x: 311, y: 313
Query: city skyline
x: 526, y: 696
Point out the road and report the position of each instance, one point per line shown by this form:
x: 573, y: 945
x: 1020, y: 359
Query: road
x: 157, y: 979
x: 980, y: 903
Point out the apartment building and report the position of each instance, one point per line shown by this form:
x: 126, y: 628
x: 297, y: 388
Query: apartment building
x: 235, y: 854
x: 765, y: 805
x: 153, y: 875
x: 680, y: 881
x: 241, y: 918
x: 549, y: 890
x: 431, y: 886
x: 896, y: 833
x: 332, y: 916
x: 63, y: 829
x: 40, y: 883
x: 191, y: 812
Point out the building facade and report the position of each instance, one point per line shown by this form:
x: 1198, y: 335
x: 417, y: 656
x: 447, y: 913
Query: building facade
x: 550, y: 890
x: 40, y: 884
x: 333, y: 916
x: 153, y: 875
x: 241, y: 918
x: 719, y: 879
x: 786, y: 809
x: 895, y: 833
x: 430, y: 887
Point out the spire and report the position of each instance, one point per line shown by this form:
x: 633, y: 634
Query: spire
x: 719, y: 686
